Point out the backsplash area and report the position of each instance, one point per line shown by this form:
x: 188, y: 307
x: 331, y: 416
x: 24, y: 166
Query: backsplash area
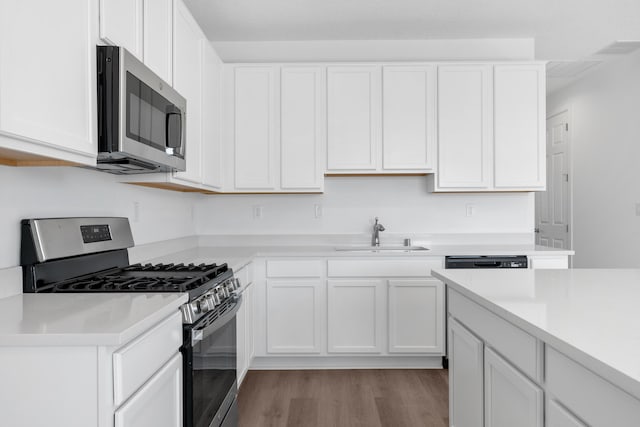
x: 155, y: 215
x: 349, y: 205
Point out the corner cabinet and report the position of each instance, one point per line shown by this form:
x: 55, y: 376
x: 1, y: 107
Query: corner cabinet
x: 491, y: 120
x: 275, y: 127
x: 48, y: 118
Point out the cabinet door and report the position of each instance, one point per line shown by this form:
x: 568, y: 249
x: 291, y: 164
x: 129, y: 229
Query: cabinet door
x: 158, y: 403
x: 187, y: 67
x: 465, y: 126
x: 302, y: 124
x: 121, y: 24
x: 158, y: 37
x: 255, y: 128
x: 356, y: 316
x: 465, y: 377
x: 48, y: 95
x: 409, y: 117
x: 510, y: 398
x: 249, y: 327
x: 416, y: 316
x: 558, y: 416
x: 354, y: 122
x: 519, y: 126
x: 211, y: 104
x: 294, y: 315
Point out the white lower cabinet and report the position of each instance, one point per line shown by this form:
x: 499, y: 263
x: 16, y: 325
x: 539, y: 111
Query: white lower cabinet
x: 158, y: 403
x: 294, y: 315
x: 510, y: 399
x: 416, y: 316
x: 465, y: 377
x: 356, y: 314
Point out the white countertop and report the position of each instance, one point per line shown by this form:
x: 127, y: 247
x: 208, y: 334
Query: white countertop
x: 238, y: 256
x: 82, y: 319
x: 592, y: 315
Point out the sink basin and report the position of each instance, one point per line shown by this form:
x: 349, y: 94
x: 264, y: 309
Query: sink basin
x: 381, y: 248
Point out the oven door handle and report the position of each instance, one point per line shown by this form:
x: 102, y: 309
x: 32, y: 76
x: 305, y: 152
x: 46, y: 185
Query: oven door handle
x: 198, y: 334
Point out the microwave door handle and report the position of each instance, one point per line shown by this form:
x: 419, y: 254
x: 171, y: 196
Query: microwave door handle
x: 173, y: 113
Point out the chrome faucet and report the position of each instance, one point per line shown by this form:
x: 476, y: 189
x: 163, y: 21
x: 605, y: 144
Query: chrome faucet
x: 375, y: 236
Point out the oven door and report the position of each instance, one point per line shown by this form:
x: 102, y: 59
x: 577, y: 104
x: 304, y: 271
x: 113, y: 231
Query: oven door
x: 210, y: 354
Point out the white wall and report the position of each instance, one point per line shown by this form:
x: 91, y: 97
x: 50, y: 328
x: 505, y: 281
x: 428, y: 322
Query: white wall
x: 65, y: 191
x: 605, y: 137
x: 349, y: 205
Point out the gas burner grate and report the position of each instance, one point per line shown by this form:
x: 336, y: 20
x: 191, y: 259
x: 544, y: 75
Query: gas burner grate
x: 145, y: 278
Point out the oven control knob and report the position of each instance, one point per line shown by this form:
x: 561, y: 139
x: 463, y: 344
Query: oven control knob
x: 215, y: 298
x: 208, y: 304
x: 236, y: 283
x: 195, y: 307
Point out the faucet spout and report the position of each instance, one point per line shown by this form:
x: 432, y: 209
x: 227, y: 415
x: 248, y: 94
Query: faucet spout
x: 375, y: 236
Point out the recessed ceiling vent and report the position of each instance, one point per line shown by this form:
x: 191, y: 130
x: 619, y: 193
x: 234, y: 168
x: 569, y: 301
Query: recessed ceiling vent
x: 570, y: 69
x: 620, y: 47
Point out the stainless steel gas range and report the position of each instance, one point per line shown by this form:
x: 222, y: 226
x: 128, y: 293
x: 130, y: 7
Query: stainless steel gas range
x: 71, y: 255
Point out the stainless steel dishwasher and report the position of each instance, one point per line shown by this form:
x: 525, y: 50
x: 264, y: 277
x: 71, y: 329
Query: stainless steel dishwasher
x: 482, y: 261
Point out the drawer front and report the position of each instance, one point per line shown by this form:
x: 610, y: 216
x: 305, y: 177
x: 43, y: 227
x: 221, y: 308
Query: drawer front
x: 520, y: 348
x: 586, y: 394
x: 383, y: 268
x: 158, y: 403
x: 294, y: 268
x: 135, y: 363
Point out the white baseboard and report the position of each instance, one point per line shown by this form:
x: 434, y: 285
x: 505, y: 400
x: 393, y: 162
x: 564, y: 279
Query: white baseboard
x: 346, y: 362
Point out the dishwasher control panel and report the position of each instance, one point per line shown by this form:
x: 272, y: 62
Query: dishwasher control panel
x: 486, y: 261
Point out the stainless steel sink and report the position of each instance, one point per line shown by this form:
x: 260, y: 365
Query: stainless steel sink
x: 387, y: 248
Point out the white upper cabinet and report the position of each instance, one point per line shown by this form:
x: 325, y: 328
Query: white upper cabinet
x: 302, y: 128
x: 409, y: 117
x: 211, y: 120
x: 464, y: 126
x: 48, y: 95
x: 187, y: 71
x: 121, y: 24
x: 275, y: 128
x: 255, y: 128
x: 158, y: 37
x: 354, y: 118
x: 519, y: 133
x: 491, y: 121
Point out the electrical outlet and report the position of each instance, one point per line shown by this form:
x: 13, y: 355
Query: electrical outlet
x: 470, y: 210
x: 317, y: 209
x: 257, y: 212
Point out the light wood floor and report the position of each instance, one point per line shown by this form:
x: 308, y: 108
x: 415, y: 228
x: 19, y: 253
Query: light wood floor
x: 345, y: 398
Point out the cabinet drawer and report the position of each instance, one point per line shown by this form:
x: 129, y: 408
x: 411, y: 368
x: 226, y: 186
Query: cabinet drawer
x: 135, y: 363
x: 520, y: 348
x: 294, y: 268
x: 158, y: 403
x: 586, y: 394
x: 383, y: 268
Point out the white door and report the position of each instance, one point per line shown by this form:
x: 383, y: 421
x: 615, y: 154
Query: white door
x: 187, y: 70
x: 254, y: 125
x: 302, y: 128
x: 465, y: 126
x: 294, y: 313
x: 356, y: 311
x: 158, y: 37
x: 465, y: 377
x: 211, y: 123
x: 121, y: 24
x: 415, y: 316
x: 353, y: 117
x: 553, y: 206
x: 409, y: 117
x: 510, y: 398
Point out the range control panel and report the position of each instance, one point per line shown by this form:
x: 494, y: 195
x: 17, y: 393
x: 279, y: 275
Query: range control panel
x: 95, y: 233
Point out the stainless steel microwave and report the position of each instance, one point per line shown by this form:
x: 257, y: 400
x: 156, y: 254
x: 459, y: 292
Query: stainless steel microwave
x: 141, y: 118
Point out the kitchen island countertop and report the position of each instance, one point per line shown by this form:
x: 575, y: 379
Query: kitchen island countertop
x: 591, y: 315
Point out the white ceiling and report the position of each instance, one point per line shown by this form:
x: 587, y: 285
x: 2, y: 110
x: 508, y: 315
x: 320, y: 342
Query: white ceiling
x: 564, y: 30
